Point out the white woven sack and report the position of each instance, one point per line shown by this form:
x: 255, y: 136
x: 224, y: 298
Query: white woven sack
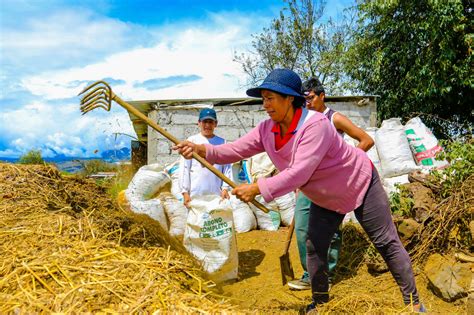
x: 286, y: 206
x: 146, y: 182
x: 244, y: 219
x: 350, y: 141
x: 389, y: 184
x: 393, y: 149
x: 176, y: 213
x: 173, y: 171
x: 210, y: 237
x: 423, y: 144
x: 153, y: 208
x: 267, y: 221
x: 260, y: 166
x: 372, y: 153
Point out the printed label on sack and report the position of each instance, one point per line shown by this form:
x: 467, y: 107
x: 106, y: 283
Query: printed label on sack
x: 214, y: 228
x: 428, y: 153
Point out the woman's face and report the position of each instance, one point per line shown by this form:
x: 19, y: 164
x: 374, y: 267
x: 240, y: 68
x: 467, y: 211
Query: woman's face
x: 276, y: 105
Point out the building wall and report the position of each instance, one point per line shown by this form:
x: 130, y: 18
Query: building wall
x: 233, y: 122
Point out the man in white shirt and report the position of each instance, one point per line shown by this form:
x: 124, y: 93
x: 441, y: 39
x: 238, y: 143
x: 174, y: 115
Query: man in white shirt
x: 194, y: 178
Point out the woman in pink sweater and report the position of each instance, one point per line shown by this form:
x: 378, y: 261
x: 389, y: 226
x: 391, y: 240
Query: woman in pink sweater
x: 338, y: 178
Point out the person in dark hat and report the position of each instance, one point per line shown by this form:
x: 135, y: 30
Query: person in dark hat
x: 336, y: 177
x: 315, y: 95
x: 194, y: 179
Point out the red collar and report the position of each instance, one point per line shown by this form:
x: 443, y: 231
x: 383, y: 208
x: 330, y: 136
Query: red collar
x: 276, y: 129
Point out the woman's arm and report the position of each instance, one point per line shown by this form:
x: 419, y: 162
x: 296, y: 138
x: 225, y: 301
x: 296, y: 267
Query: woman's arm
x: 231, y: 152
x: 309, y: 152
x: 246, y: 146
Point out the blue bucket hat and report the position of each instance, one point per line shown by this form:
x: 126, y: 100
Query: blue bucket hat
x: 283, y: 81
x: 207, y: 113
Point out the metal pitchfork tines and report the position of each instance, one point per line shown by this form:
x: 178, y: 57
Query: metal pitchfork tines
x: 99, y: 94
x: 101, y: 97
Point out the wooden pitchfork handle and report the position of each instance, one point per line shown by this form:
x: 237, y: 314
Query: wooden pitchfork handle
x: 170, y: 137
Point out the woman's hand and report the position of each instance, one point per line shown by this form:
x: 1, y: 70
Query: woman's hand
x: 246, y: 192
x: 186, y: 149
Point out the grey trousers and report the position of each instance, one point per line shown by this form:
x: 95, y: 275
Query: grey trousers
x: 375, y: 217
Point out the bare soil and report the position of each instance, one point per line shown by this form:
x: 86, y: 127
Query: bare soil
x: 260, y: 289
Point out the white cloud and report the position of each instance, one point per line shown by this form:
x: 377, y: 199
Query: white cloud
x: 68, y: 39
x: 204, y: 52
x: 42, y: 126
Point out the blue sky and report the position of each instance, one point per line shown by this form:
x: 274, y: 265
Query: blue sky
x: 50, y: 49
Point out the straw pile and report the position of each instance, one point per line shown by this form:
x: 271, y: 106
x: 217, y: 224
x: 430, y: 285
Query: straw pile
x: 66, y: 247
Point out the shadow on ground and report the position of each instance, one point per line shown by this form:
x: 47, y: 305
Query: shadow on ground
x: 248, y: 262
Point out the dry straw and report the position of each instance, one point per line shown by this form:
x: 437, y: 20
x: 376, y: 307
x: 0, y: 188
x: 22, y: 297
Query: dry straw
x: 66, y: 247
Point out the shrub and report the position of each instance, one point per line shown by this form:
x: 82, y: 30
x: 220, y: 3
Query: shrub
x: 401, y: 202
x: 31, y: 157
x: 460, y: 155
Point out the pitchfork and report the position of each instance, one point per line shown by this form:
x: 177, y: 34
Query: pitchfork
x: 102, y: 96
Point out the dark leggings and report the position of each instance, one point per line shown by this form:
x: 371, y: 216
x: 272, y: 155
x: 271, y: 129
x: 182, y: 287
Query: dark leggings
x: 375, y: 217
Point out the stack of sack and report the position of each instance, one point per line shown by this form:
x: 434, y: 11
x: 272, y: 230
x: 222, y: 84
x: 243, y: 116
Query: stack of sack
x: 145, y: 184
x: 403, y: 149
x: 207, y: 227
x: 394, y: 152
x: 148, y: 193
x: 282, y: 208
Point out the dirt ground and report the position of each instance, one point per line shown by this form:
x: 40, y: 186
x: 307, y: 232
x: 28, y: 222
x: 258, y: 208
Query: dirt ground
x: 259, y: 287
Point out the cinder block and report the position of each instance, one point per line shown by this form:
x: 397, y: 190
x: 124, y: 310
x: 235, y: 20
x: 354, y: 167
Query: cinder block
x: 359, y: 111
x: 235, y: 117
x: 163, y: 159
x: 373, y: 119
x: 163, y: 117
x: 163, y: 147
x: 184, y: 116
x: 259, y: 116
x: 190, y: 130
x: 362, y: 122
x: 342, y: 107
x: 176, y: 131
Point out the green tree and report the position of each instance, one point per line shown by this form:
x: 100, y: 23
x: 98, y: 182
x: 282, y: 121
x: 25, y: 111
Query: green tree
x: 299, y: 40
x: 31, y: 157
x: 417, y: 56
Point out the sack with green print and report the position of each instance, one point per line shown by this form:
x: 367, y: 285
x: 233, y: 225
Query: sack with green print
x: 423, y: 144
x: 210, y: 236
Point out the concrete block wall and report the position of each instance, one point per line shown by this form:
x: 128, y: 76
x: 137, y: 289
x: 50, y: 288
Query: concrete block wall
x: 233, y: 122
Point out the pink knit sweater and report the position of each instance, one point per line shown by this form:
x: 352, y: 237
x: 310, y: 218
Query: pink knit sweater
x: 333, y: 174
